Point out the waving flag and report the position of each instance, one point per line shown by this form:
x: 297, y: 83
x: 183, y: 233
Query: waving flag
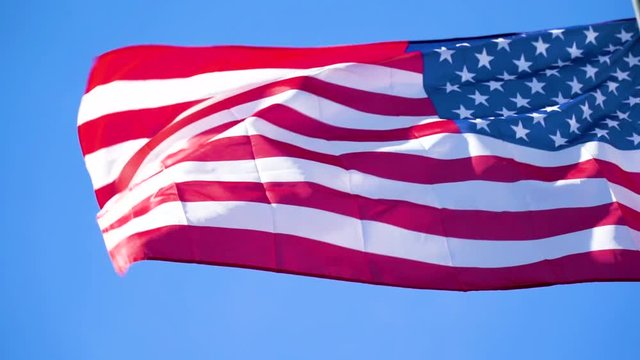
x: 483, y: 163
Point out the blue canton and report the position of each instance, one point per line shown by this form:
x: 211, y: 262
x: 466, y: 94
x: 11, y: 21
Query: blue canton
x: 547, y: 89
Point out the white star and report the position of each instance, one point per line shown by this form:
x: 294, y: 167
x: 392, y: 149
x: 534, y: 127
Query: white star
x: 445, y: 54
x: 591, y: 71
x: 574, y: 51
x: 541, y: 46
x: 465, y: 75
x: 621, y: 75
x: 551, y: 108
x: 632, y: 100
x: 623, y: 116
x: 550, y: 72
x: 611, y: 48
x: 495, y: 85
x: 560, y: 99
x: 612, y: 123
x: 557, y: 139
x: 599, y: 98
x: 586, y: 111
x: 449, y: 88
x: 635, y: 138
x: 591, y: 36
x: 573, y: 124
x: 561, y: 63
x: 502, y: 43
x: 535, y: 86
x: 523, y: 65
x: 575, y: 85
x: 557, y: 32
x: 632, y: 61
x: 506, y: 76
x: 520, y: 102
x: 463, y: 113
x: 504, y: 112
x: 612, y: 87
x: 604, y: 58
x: 601, y: 132
x: 481, y: 124
x: 624, y: 36
x: 479, y: 99
x: 484, y: 59
x: 521, y: 132
x: 538, y: 118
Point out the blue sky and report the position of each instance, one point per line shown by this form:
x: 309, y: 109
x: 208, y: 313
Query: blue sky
x: 61, y: 299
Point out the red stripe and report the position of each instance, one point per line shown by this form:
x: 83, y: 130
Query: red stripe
x: 123, y: 126
x: 464, y: 224
x: 395, y: 166
x: 166, y: 62
x: 105, y: 193
x: 202, y: 148
x: 350, y: 97
x: 296, y: 255
x: 145, y: 123
x: 290, y: 119
x: 408, y: 167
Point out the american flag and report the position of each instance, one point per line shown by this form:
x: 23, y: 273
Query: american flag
x: 494, y: 162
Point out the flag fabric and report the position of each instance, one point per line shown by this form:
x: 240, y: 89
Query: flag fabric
x: 493, y: 162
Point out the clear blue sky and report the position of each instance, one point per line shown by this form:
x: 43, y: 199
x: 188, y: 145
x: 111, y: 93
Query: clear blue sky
x: 61, y: 299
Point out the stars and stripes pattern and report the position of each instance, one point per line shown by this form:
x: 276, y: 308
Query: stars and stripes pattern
x: 484, y: 163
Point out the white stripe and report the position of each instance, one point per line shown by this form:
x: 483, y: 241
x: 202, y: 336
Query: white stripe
x: 381, y: 238
x: 306, y: 103
x: 301, y: 101
x: 625, y: 196
x: 105, y: 164
x: 467, y: 195
x: 125, y: 95
x: 453, y: 146
x: 439, y: 146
